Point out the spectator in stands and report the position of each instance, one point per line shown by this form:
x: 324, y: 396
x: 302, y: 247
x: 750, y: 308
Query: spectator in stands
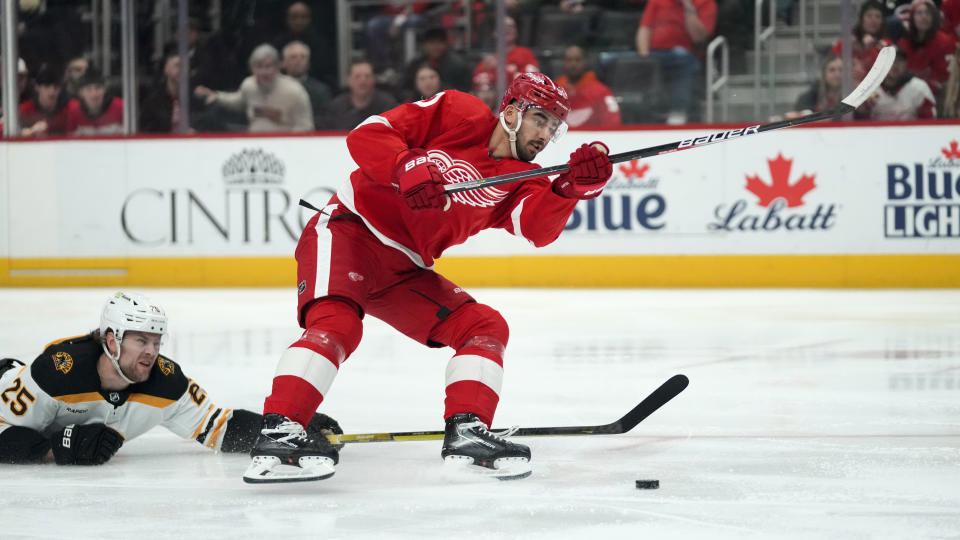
x: 272, y: 101
x: 951, y: 18
x: 296, y: 64
x: 427, y: 82
x: 868, y: 36
x: 361, y: 100
x: 435, y: 52
x: 45, y: 114
x: 484, y: 89
x: 825, y: 92
x: 669, y: 31
x: 592, y: 104
x: 23, y: 81
x: 75, y: 69
x: 384, y: 29
x: 94, y: 111
x: 160, y: 109
x: 299, y: 27
x: 519, y: 60
x: 951, y: 90
x: 927, y: 47
x: 901, y: 96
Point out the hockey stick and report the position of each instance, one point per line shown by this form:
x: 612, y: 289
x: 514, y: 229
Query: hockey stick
x: 667, y: 391
x: 865, y: 89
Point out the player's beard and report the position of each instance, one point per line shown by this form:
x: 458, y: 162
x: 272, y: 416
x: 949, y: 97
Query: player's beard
x: 525, y: 152
x: 135, y: 372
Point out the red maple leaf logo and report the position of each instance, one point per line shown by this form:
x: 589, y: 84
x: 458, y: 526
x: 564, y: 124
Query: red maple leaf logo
x: 780, y: 188
x: 952, y: 152
x: 633, y: 171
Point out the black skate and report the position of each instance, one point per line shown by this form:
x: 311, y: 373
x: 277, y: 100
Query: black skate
x: 468, y: 446
x: 285, y: 453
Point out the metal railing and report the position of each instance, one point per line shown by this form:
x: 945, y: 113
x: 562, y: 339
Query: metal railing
x: 718, y: 83
x: 10, y: 56
x: 763, y: 36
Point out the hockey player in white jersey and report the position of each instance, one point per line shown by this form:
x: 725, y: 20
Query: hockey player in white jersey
x: 84, y: 396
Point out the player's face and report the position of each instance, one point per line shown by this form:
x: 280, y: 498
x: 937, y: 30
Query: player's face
x: 536, y: 130
x: 138, y: 353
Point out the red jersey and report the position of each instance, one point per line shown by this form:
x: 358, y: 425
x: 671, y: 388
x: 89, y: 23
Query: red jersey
x: 454, y: 128
x: 591, y: 103
x: 519, y: 60
x: 867, y: 55
x: 109, y: 122
x: 951, y: 17
x: 665, y: 20
x: 930, y: 61
x: 30, y: 114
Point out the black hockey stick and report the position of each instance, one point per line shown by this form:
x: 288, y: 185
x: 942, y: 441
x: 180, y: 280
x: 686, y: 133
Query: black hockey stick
x: 667, y: 391
x: 865, y: 89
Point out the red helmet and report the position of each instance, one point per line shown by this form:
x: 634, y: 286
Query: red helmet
x: 538, y: 90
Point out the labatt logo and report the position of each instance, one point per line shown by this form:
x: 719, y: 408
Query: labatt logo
x: 782, y: 201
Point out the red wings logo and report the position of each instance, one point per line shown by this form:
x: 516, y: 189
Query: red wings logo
x: 780, y: 187
x: 455, y: 171
x: 632, y: 170
x: 951, y: 152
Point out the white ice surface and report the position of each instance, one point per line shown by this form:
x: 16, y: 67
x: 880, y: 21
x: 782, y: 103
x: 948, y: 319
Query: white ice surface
x: 810, y: 414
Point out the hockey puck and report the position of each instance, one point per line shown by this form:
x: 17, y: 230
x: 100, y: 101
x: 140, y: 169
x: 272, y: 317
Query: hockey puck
x: 648, y: 484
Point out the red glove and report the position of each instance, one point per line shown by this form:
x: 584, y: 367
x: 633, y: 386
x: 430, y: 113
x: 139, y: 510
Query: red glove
x: 590, y: 168
x: 419, y: 180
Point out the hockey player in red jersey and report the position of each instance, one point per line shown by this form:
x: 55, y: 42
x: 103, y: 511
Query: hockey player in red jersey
x: 370, y: 251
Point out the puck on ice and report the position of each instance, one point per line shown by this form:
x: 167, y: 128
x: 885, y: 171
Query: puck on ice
x: 648, y: 484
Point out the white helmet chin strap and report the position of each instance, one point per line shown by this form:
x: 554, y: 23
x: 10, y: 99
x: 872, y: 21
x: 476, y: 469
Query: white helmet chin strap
x: 115, y: 360
x: 512, y: 133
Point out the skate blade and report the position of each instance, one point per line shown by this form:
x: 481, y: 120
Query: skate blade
x: 269, y: 470
x: 464, y: 468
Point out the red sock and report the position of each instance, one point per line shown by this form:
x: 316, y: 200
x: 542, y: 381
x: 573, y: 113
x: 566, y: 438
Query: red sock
x: 294, y: 398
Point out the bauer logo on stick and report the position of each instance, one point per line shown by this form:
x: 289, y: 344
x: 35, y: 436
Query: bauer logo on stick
x: 719, y: 136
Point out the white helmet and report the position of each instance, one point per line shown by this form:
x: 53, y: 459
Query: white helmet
x: 130, y: 311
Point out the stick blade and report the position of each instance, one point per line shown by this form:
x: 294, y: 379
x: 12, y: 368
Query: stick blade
x: 874, y: 77
x: 667, y: 391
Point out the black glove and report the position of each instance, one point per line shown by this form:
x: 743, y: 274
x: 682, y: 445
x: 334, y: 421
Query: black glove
x: 322, y: 425
x: 90, y: 444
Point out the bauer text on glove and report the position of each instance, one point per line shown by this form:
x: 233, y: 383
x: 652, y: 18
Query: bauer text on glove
x: 90, y: 444
x: 419, y: 180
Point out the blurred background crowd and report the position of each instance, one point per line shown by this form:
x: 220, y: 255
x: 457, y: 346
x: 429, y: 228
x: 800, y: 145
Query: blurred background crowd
x: 281, y: 65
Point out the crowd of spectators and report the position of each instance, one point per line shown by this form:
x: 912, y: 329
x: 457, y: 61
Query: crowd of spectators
x: 919, y: 85
x: 273, y: 65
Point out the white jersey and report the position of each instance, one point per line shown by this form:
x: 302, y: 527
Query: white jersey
x: 62, y: 387
x: 908, y: 101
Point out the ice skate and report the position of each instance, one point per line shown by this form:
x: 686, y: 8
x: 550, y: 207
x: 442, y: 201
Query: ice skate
x: 285, y: 453
x: 470, y: 449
